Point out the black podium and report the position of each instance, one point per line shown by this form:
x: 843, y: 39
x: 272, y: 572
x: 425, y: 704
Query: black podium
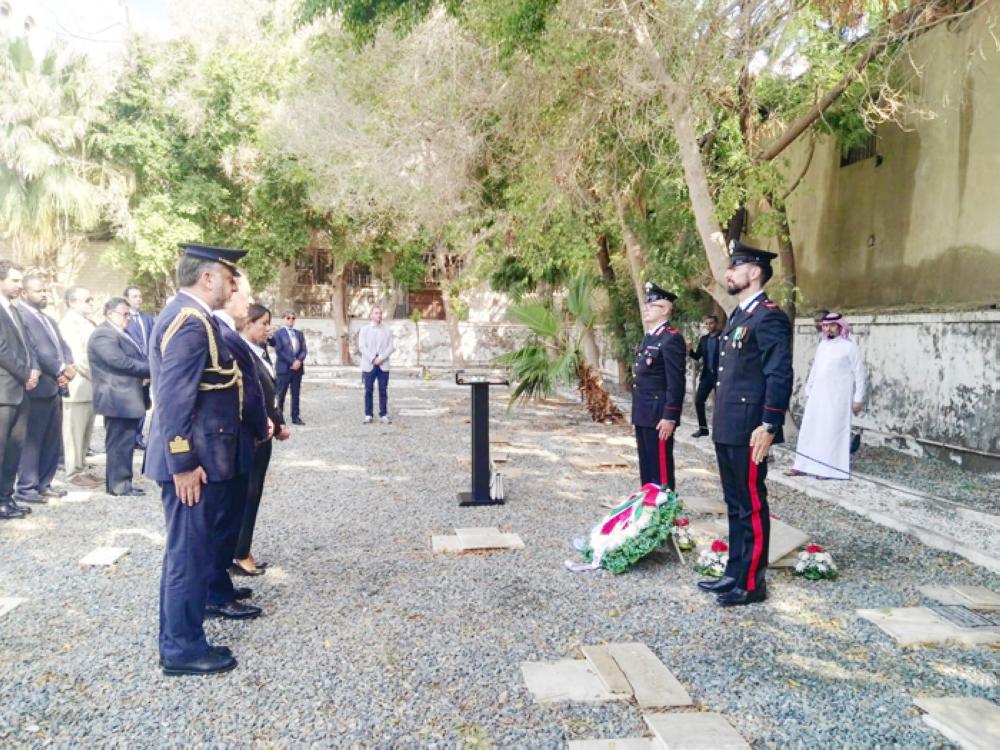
x: 480, y: 383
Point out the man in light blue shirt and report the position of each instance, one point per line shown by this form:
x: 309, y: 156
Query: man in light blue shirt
x: 375, y: 344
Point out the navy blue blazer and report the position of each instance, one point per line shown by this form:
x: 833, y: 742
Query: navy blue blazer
x: 253, y: 424
x: 708, y: 352
x: 283, y: 350
x: 16, y: 359
x: 51, y: 354
x: 140, y: 329
x: 117, y: 368
x: 197, y: 388
x: 658, y: 388
x: 755, y: 373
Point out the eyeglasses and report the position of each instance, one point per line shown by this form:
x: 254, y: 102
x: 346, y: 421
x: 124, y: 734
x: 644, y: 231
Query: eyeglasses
x: 123, y: 314
x: 289, y: 317
x: 89, y: 299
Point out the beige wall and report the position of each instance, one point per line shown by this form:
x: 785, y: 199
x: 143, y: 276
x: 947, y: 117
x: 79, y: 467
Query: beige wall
x: 922, y: 229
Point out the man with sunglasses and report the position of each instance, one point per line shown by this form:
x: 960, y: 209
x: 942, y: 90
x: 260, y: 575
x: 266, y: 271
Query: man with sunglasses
x: 76, y: 328
x: 290, y: 349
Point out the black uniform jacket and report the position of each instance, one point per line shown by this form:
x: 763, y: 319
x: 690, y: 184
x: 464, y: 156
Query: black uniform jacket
x: 658, y: 390
x: 755, y: 373
x: 118, y: 368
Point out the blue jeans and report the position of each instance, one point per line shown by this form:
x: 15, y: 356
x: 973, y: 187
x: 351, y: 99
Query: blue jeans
x: 369, y: 379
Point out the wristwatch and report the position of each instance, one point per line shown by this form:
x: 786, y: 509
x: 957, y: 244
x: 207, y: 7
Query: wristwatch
x: 771, y: 428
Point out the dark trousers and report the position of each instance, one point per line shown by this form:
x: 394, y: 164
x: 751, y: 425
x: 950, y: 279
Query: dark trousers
x: 369, y: 378
x: 291, y: 378
x: 13, y: 427
x: 138, y: 431
x: 749, y: 518
x: 255, y: 490
x: 187, y: 563
x: 42, y: 443
x: 227, y: 529
x: 656, y: 458
x: 119, y: 444
x: 705, y: 387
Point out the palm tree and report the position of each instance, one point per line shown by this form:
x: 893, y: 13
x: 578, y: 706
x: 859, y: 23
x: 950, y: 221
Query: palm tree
x: 46, y: 108
x: 555, y: 355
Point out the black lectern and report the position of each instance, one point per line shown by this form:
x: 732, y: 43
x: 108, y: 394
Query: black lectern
x: 480, y: 383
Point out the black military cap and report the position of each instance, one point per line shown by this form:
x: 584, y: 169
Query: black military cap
x: 654, y: 293
x: 740, y: 254
x: 227, y: 256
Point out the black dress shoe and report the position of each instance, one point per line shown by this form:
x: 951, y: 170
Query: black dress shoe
x: 296, y: 420
x: 20, y: 508
x: 29, y: 497
x: 233, y: 610
x: 718, y: 585
x: 242, y: 593
x: 739, y: 597
x: 9, y: 510
x: 53, y: 492
x: 130, y: 492
x: 218, y: 650
x: 211, y: 663
x: 239, y: 570
x: 700, y: 433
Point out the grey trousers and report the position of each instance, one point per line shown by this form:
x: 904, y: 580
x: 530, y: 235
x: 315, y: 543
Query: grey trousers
x: 78, y: 425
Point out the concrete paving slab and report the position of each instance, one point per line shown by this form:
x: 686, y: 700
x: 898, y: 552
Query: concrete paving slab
x: 438, y: 412
x: 652, y: 683
x: 695, y: 731
x: 9, y: 603
x: 971, y: 723
x: 598, y: 461
x: 444, y: 544
x: 565, y: 680
x: 918, y: 626
x: 621, y: 743
x: 77, y: 496
x: 973, y: 597
x: 785, y: 539
x: 487, y: 538
x: 703, y: 505
x: 607, y: 669
x: 103, y: 556
x: 788, y: 561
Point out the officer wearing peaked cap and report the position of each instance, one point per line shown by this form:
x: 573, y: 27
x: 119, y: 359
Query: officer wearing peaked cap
x: 197, y: 399
x: 658, y: 388
x: 754, y: 387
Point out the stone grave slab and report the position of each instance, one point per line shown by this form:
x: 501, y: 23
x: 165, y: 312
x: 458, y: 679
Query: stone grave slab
x: 652, y: 683
x: 973, y: 597
x: 598, y: 461
x: 607, y: 669
x: 500, y: 457
x: 788, y: 561
x: 702, y: 504
x: 785, y: 539
x: 695, y: 731
x: 916, y: 626
x: 103, y: 556
x: 77, y: 496
x: 487, y: 538
x: 620, y: 743
x: 565, y: 680
x: 9, y: 603
x: 434, y: 412
x: 971, y: 723
x: 445, y: 543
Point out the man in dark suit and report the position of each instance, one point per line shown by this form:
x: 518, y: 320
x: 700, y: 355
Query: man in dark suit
x: 43, y: 441
x: 139, y: 329
x: 119, y: 371
x: 755, y: 385
x: 18, y: 375
x: 708, y: 353
x: 658, y: 389
x: 223, y: 599
x: 197, y: 389
x: 290, y: 352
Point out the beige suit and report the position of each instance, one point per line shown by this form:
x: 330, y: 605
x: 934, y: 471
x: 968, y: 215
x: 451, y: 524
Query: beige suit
x: 78, y: 407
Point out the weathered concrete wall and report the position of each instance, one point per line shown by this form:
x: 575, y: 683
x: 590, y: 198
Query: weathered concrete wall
x: 917, y: 227
x: 932, y: 377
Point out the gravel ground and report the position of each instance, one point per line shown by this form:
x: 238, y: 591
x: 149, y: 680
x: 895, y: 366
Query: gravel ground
x: 370, y: 641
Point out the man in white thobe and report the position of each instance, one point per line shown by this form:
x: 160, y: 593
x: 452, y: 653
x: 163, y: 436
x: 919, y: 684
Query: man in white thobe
x: 834, y: 391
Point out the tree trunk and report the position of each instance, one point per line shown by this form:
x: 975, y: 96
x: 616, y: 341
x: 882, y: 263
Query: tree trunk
x: 589, y: 348
x: 341, y: 322
x: 450, y: 319
x: 618, y: 328
x: 595, y: 396
x: 695, y: 177
x: 635, y: 253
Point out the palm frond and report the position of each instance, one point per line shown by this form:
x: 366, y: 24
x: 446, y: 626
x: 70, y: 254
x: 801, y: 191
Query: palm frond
x: 579, y: 298
x: 542, y: 321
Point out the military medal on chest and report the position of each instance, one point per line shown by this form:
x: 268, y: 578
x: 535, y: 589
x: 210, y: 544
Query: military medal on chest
x: 739, y: 336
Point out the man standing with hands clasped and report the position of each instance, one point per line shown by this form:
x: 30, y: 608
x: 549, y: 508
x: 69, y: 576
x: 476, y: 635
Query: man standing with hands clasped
x: 658, y: 391
x: 375, y: 344
x: 755, y: 384
x: 290, y: 350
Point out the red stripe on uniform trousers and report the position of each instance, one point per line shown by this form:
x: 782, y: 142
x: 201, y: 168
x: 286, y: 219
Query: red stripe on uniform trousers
x: 663, y: 463
x: 758, y: 527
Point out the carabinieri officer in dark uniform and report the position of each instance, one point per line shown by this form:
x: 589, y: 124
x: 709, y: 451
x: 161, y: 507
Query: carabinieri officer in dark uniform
x: 755, y: 384
x: 197, y: 400
x: 658, y: 390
